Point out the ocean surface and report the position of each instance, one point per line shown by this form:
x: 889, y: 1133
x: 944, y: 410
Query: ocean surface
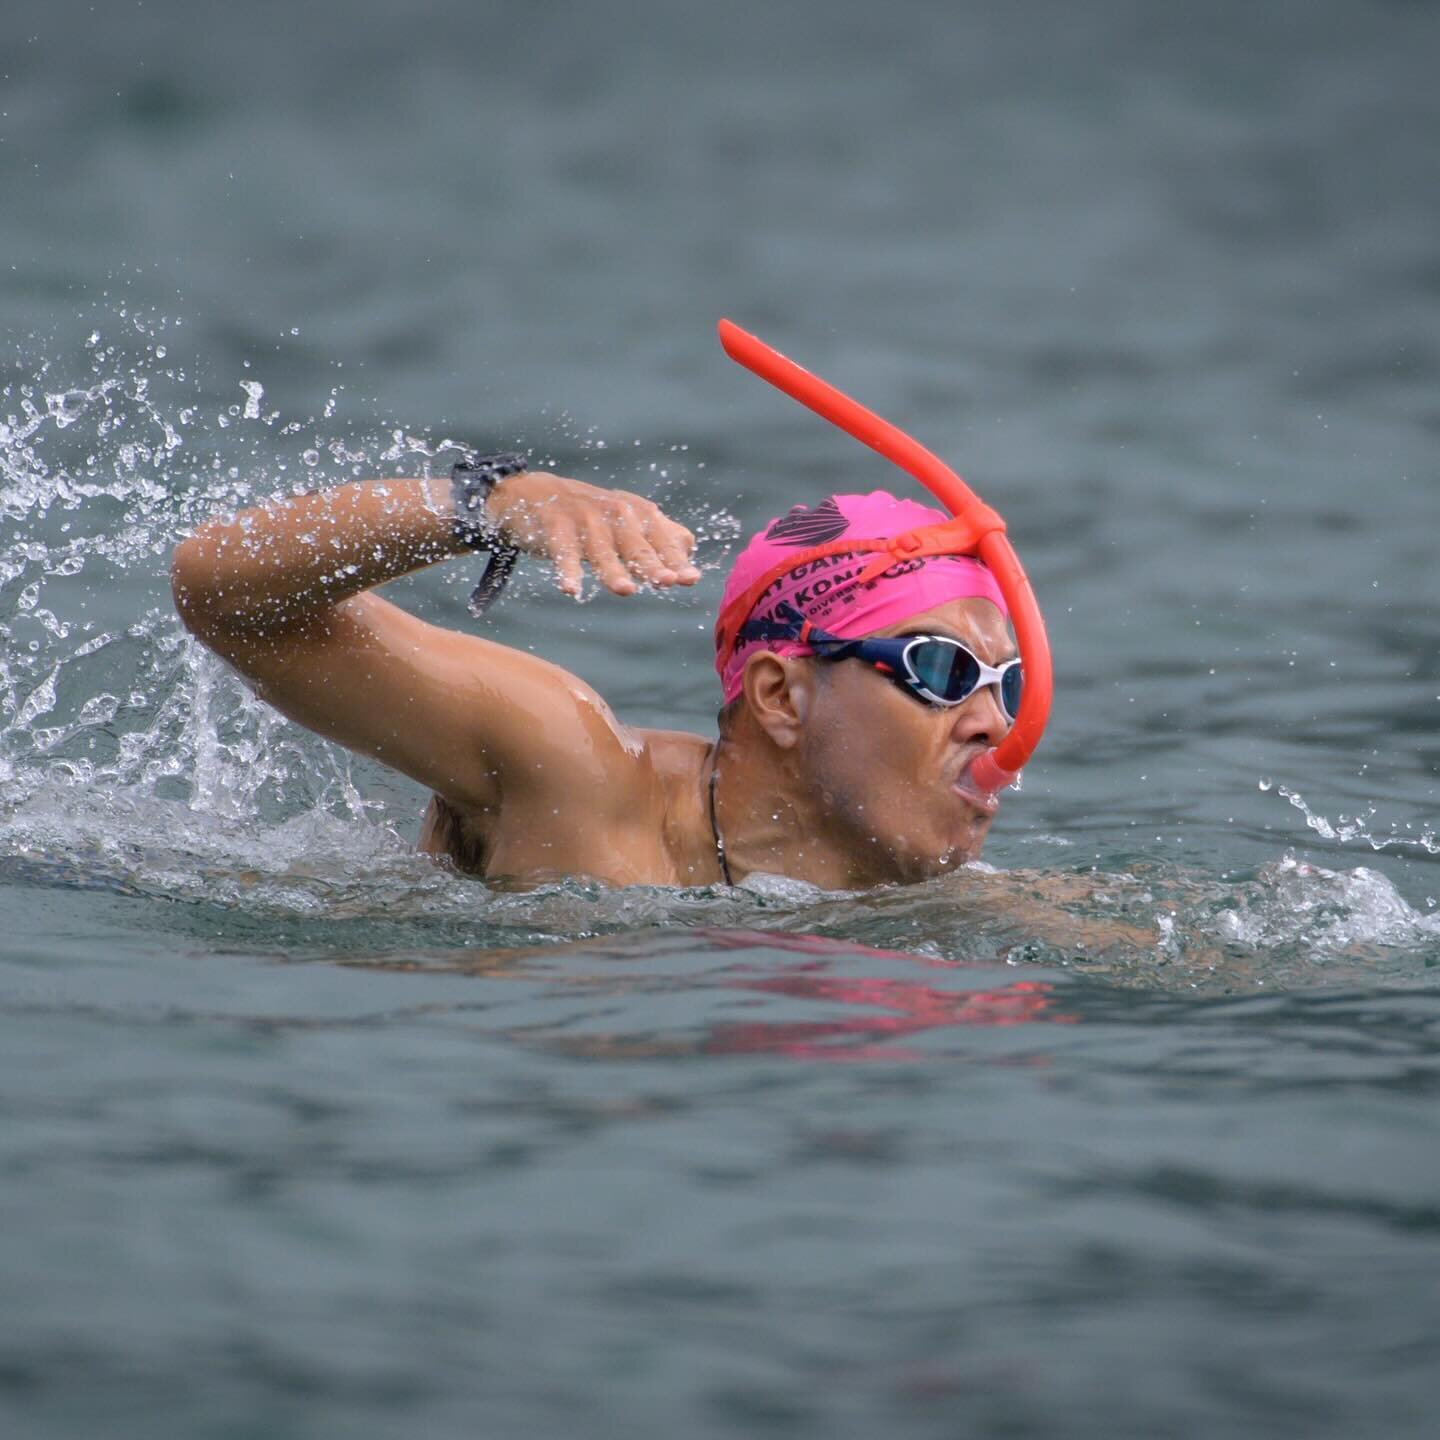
x: 1133, y: 1130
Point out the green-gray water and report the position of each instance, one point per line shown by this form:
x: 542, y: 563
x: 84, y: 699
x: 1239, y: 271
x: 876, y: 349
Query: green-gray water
x: 1130, y: 1132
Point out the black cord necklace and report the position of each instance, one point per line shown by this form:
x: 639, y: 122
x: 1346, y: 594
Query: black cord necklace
x: 715, y: 827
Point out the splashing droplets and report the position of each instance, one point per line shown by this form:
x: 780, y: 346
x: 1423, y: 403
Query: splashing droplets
x: 67, y: 407
x: 254, y: 392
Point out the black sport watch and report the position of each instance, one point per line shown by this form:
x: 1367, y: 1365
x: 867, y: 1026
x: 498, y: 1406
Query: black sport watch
x: 471, y: 482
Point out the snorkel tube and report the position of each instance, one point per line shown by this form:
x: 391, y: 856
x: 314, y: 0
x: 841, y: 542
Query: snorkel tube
x: 1000, y: 766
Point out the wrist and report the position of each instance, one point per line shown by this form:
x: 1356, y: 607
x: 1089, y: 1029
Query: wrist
x: 471, y: 484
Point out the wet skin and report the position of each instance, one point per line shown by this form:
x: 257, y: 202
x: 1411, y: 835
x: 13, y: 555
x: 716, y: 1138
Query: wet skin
x: 829, y: 773
x: 887, y: 763
x: 860, y: 791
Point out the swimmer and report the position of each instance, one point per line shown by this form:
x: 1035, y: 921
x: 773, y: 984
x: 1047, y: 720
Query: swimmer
x: 861, y: 681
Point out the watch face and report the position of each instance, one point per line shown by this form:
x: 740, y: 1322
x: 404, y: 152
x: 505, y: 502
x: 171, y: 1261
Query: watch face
x: 495, y: 466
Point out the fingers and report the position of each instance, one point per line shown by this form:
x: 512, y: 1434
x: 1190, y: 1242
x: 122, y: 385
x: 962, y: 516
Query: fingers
x: 564, y: 546
x: 674, y: 544
x: 641, y: 558
x: 627, y: 541
x: 656, y: 548
x: 605, y: 561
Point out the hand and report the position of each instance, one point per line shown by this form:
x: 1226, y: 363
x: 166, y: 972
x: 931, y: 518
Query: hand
x: 626, y: 540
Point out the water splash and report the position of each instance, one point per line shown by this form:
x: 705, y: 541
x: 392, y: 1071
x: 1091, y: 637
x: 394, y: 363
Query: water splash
x: 1332, y: 912
x: 121, y: 740
x: 1345, y: 829
x: 97, y: 479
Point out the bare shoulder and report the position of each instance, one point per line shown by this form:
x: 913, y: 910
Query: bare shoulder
x: 634, y: 818
x: 678, y: 761
x: 675, y: 753
x: 636, y: 779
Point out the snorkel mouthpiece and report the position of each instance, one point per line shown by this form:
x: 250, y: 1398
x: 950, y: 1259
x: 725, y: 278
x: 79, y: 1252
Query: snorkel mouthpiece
x: 985, y: 777
x: 1000, y: 766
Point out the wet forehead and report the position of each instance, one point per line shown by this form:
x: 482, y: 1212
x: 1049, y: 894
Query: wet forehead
x: 977, y: 622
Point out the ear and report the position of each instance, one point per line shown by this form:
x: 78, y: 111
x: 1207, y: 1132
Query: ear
x: 780, y: 695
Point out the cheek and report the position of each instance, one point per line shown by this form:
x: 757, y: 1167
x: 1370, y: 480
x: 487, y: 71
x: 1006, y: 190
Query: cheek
x: 884, y: 761
x: 872, y: 743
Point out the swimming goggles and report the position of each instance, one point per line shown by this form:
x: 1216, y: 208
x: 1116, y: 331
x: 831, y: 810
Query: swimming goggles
x: 936, y: 669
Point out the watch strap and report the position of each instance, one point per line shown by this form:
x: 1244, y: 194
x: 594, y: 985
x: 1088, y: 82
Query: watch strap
x: 471, y: 482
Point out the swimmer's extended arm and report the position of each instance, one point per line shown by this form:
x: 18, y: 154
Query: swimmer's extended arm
x: 271, y: 569
x: 280, y: 592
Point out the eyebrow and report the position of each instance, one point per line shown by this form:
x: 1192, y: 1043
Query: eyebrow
x: 943, y: 631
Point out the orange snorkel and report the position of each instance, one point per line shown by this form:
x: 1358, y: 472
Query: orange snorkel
x: 1001, y: 766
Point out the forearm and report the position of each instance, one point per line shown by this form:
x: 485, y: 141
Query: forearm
x: 282, y: 565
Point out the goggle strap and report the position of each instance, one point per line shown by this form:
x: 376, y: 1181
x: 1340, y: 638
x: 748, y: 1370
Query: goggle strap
x: 791, y: 625
x: 766, y: 630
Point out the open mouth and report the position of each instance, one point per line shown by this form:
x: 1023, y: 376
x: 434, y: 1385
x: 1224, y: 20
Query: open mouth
x: 987, y: 802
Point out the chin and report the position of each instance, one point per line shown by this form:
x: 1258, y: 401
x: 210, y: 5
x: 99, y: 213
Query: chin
x: 970, y: 842
x: 912, y: 865
x: 963, y: 854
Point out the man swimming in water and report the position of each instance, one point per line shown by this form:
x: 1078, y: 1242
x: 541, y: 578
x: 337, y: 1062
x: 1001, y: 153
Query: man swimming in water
x: 837, y: 763
x: 843, y: 775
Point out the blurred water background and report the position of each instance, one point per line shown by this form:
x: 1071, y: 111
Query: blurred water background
x: 1133, y: 1131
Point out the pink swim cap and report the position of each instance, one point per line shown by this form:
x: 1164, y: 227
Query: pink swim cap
x: 825, y: 587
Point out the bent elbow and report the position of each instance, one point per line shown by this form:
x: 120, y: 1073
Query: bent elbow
x: 184, y: 589
x: 182, y: 582
x: 193, y: 588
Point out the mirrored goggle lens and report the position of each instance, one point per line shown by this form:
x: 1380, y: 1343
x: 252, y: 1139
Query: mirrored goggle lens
x: 1012, y: 686
x: 952, y: 673
x: 944, y: 670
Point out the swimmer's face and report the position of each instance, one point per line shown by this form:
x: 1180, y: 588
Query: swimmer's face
x: 887, y: 764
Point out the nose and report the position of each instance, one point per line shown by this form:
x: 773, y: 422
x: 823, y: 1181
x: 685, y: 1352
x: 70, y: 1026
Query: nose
x: 981, y: 719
